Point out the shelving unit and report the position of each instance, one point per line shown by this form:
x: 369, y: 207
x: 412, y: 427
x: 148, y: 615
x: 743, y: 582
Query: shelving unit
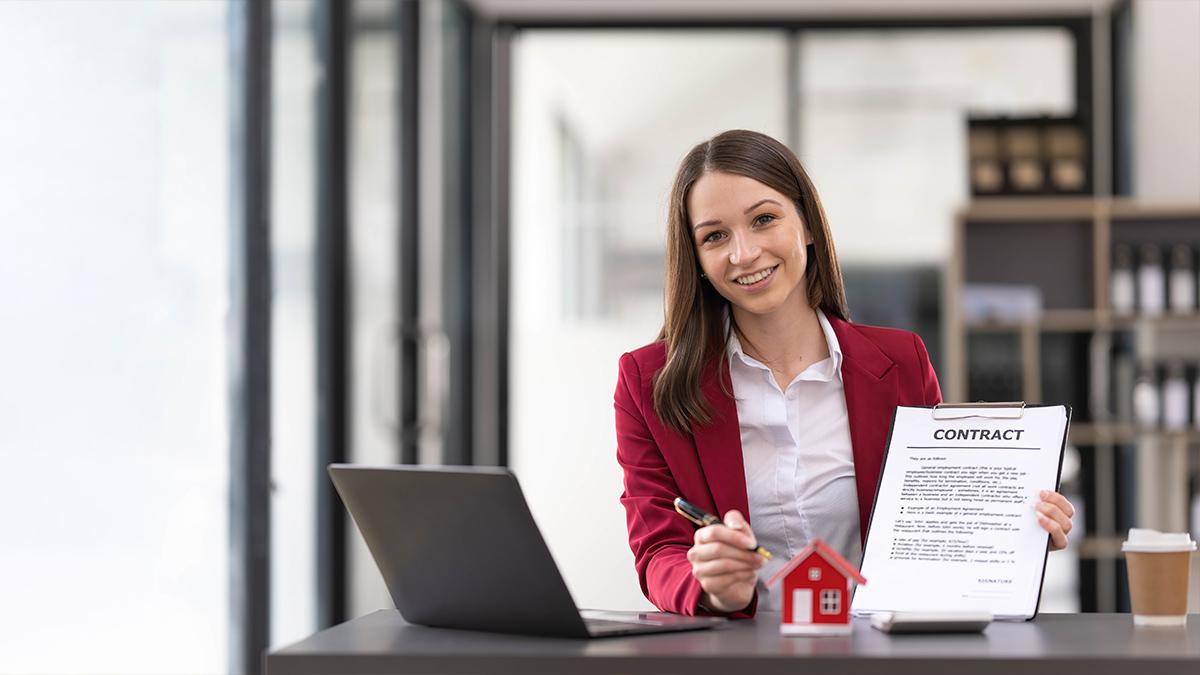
x: 1130, y: 475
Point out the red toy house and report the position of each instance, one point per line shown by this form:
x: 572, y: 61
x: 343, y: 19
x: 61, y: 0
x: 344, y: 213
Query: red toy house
x: 816, y: 591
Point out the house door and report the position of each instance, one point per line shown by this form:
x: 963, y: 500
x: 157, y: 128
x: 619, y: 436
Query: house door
x: 802, y: 605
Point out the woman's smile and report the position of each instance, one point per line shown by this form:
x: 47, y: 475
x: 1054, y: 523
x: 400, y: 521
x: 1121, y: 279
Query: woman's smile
x: 756, y: 281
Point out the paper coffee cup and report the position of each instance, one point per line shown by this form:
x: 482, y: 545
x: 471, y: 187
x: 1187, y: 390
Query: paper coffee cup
x: 1158, y: 564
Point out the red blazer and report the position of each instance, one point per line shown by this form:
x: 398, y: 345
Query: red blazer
x: 881, y: 369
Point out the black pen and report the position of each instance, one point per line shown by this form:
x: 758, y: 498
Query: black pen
x: 702, y: 518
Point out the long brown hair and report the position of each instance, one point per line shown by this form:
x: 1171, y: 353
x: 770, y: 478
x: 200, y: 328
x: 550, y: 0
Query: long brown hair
x: 694, y: 312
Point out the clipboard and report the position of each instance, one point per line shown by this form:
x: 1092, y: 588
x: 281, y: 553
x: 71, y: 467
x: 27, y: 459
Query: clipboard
x: 1002, y: 410
x: 955, y: 411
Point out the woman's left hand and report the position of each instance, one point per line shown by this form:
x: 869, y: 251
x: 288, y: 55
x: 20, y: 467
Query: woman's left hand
x: 1054, y: 514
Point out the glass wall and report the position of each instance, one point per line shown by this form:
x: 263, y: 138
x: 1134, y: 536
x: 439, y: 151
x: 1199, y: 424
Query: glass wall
x: 882, y: 118
x: 114, y: 289
x: 294, y: 474
x: 882, y: 130
x: 374, y: 251
x: 601, y: 119
x: 600, y: 122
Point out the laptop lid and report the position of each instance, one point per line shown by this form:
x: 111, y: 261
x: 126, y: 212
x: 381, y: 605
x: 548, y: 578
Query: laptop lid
x: 458, y: 548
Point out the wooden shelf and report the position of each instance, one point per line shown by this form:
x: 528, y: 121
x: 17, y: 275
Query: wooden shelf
x: 1132, y: 209
x: 1087, y: 320
x: 1029, y: 208
x: 1102, y: 434
x: 1101, y: 547
x: 1002, y: 209
x: 1069, y: 245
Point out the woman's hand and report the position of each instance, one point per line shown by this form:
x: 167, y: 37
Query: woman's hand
x: 1054, y: 514
x: 723, y: 564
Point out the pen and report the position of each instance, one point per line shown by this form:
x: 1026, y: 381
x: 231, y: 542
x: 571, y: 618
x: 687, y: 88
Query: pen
x: 703, y: 519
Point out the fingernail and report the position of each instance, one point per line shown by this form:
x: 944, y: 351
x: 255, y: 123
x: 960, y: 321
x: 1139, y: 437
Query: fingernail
x: 1044, y: 493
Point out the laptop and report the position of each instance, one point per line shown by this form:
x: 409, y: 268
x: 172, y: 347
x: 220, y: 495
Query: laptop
x: 458, y: 548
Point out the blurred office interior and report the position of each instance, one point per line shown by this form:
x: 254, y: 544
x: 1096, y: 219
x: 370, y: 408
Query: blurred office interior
x: 243, y: 240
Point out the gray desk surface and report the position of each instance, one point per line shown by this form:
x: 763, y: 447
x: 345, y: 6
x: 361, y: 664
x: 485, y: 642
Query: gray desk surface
x: 1053, y: 643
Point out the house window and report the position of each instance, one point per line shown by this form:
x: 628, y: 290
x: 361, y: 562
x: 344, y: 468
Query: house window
x: 814, y: 574
x: 831, y: 602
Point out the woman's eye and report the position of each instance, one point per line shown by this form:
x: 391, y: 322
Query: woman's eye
x: 764, y: 219
x: 713, y: 236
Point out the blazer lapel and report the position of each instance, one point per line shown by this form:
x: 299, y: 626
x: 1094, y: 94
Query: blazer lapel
x: 869, y: 381
x: 719, y: 445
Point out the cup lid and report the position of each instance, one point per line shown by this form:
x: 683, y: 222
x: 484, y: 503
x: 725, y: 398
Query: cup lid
x: 1152, y: 541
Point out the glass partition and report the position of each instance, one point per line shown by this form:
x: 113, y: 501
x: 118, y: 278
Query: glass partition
x: 601, y: 119
x: 373, y: 269
x: 294, y: 474
x: 883, y: 118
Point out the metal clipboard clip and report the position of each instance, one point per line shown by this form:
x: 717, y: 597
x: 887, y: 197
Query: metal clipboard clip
x: 1006, y: 410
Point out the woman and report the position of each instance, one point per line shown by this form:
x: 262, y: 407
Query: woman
x: 760, y: 399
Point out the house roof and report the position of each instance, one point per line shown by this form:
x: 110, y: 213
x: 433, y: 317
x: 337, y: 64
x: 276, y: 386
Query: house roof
x: 831, y: 556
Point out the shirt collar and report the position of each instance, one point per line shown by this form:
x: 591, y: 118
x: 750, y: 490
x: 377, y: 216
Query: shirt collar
x: 734, y: 347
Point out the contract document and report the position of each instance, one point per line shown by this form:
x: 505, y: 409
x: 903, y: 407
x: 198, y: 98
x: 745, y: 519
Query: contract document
x: 953, y: 527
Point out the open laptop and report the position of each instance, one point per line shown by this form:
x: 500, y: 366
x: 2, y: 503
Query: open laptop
x: 458, y: 548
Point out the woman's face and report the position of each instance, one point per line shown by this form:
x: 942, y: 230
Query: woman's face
x: 750, y: 241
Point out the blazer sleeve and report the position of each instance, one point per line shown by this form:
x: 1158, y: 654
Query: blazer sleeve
x: 929, y: 382
x: 658, y: 537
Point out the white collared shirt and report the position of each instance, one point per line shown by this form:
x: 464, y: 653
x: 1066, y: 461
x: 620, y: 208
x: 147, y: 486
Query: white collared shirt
x: 798, y: 459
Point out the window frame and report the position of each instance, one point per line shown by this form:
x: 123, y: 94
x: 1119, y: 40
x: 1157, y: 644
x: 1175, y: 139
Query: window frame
x: 830, y: 601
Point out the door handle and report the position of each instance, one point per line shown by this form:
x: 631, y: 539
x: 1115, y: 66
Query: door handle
x: 433, y: 377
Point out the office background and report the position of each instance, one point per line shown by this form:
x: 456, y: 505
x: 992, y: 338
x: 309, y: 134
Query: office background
x: 246, y: 239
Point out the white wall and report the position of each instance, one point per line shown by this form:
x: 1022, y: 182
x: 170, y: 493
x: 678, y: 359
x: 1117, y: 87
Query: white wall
x: 1166, y: 100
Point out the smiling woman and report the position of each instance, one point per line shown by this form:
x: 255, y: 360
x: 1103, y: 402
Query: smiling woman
x: 755, y: 209
x: 760, y: 398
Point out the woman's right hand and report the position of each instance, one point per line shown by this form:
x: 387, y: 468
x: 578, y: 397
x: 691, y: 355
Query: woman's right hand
x: 724, y: 564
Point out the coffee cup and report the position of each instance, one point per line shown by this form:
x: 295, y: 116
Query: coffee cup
x: 1158, y: 565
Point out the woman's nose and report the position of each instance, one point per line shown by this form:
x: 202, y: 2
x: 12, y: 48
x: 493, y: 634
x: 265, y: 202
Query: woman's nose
x: 744, y: 249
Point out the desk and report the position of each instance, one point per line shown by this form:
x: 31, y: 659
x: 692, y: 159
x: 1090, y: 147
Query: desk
x: 1060, y: 644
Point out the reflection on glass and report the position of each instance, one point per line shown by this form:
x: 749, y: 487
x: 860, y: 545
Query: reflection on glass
x: 115, y: 292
